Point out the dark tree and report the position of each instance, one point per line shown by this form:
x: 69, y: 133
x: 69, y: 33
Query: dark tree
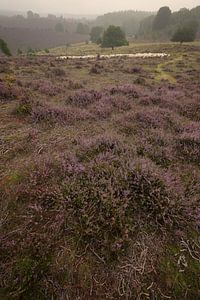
x: 4, y: 48
x: 113, y: 37
x: 59, y: 27
x: 19, y: 51
x: 96, y: 34
x: 82, y: 28
x: 30, y: 14
x: 162, y: 18
x: 186, y: 33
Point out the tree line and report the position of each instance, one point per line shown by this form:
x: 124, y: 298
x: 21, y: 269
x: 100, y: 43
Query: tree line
x: 180, y: 26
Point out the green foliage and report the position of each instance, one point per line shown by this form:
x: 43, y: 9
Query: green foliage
x: 96, y: 34
x: 31, y: 15
x: 4, y: 48
x: 113, y: 37
x: 26, y: 277
x: 165, y: 24
x: 82, y: 28
x: 30, y: 51
x: 146, y: 26
x: 162, y: 18
x: 24, y: 108
x: 178, y: 272
x: 46, y: 50
x: 19, y: 51
x: 59, y: 27
x: 186, y: 33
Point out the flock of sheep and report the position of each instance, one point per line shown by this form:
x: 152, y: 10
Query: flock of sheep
x: 98, y: 56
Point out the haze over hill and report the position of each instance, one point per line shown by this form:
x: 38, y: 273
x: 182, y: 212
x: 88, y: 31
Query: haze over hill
x: 38, y: 31
x: 78, y: 7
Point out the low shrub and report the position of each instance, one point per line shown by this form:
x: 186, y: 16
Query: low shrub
x: 84, y: 98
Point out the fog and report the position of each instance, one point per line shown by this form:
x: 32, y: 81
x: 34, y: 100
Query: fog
x: 92, y: 6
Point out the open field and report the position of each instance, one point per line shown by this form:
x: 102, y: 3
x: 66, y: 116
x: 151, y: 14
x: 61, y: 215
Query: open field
x: 100, y: 175
x: 93, y: 49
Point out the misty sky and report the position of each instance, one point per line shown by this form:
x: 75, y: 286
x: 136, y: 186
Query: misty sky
x: 93, y: 6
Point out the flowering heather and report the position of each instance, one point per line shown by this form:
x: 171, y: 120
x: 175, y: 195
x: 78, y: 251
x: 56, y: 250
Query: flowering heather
x: 127, y: 89
x: 8, y: 92
x: 165, y: 97
x: 102, y: 109
x: 100, y: 176
x: 134, y: 70
x: 157, y: 118
x: 84, y: 98
x: 191, y: 110
x: 90, y: 148
x: 58, y: 72
x: 188, y: 145
x: 74, y: 85
x: 46, y: 87
x: 42, y: 112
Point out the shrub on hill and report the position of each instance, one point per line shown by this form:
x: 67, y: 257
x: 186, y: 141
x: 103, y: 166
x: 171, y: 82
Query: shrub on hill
x: 186, y: 33
x: 4, y: 48
x: 113, y: 37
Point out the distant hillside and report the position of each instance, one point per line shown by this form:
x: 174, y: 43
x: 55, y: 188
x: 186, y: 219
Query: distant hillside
x: 38, y: 32
x: 34, y: 31
x: 23, y: 38
x: 128, y: 20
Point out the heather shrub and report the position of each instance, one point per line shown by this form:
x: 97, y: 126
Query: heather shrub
x: 134, y: 70
x: 90, y: 148
x: 107, y: 199
x: 188, y: 145
x: 162, y: 155
x: 95, y: 70
x: 151, y: 194
x: 108, y: 105
x: 26, y: 274
x: 46, y: 87
x: 74, y: 85
x: 78, y: 65
x: 157, y: 118
x: 4, y: 67
x: 100, y: 184
x: 102, y: 200
x: 84, y: 98
x: 125, y: 123
x: 58, y: 72
x: 191, y: 110
x: 127, y: 89
x: 8, y: 92
x: 140, y: 80
x: 120, y: 103
x: 102, y: 109
x: 165, y: 97
x: 43, y: 112
x: 23, y: 108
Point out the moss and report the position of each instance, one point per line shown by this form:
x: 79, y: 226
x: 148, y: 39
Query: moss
x: 25, y: 279
x: 15, y: 177
x: 180, y: 281
x: 23, y: 109
x: 162, y: 75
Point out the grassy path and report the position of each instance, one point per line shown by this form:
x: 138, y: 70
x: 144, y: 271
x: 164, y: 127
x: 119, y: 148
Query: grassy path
x: 162, y: 74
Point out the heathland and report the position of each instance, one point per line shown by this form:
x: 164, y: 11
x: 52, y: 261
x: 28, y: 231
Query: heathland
x: 100, y: 174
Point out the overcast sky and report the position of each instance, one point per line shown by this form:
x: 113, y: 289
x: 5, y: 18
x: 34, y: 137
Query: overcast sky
x: 93, y: 6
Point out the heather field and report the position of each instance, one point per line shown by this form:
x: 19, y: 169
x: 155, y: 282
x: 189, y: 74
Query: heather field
x: 100, y: 175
